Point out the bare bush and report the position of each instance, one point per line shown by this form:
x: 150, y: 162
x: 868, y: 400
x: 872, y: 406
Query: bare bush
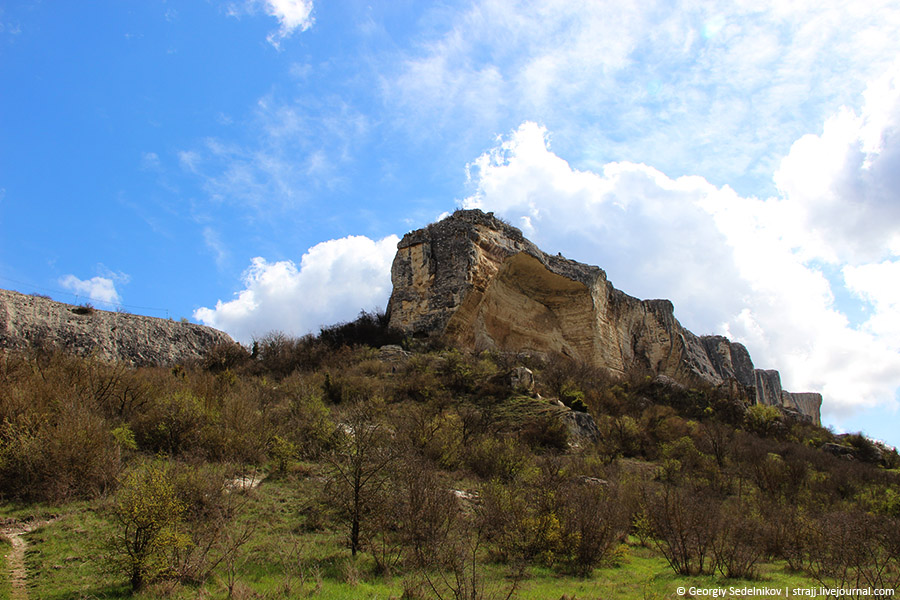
x: 738, y: 545
x: 855, y: 550
x: 685, y: 522
x: 174, y: 424
x: 460, y: 572
x: 358, y: 467
x: 594, y: 522
x: 426, y: 512
x: 69, y: 454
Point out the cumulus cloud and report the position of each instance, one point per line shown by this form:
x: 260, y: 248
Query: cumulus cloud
x: 729, y: 263
x: 98, y: 289
x: 843, y: 185
x: 877, y: 284
x: 292, y: 15
x: 333, y: 282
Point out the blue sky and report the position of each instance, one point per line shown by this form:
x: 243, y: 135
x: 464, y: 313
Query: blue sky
x: 251, y: 164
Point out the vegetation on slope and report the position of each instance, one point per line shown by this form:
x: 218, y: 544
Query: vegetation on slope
x: 425, y: 474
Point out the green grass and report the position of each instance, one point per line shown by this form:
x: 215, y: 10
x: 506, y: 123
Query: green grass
x: 64, y: 561
x: 64, y: 558
x: 5, y: 589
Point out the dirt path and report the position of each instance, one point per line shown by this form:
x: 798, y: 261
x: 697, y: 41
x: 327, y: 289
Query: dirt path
x: 15, y: 559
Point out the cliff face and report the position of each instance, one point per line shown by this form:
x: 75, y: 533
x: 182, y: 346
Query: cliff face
x: 138, y: 340
x: 477, y: 282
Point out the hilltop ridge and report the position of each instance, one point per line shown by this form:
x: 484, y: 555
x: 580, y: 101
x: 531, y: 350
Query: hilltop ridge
x: 27, y: 321
x: 476, y: 281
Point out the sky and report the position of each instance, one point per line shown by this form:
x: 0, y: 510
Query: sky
x: 252, y: 164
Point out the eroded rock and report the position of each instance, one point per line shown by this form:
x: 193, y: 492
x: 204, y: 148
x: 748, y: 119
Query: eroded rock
x: 27, y: 321
x: 476, y: 282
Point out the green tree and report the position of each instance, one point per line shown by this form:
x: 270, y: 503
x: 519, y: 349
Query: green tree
x: 147, y: 512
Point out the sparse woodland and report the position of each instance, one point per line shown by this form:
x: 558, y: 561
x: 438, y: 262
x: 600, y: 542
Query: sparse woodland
x: 423, y: 474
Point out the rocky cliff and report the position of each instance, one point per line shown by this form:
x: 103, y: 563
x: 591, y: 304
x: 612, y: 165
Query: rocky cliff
x: 477, y: 282
x: 138, y: 340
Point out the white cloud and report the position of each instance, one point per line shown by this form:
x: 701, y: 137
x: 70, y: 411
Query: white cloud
x: 296, y: 147
x: 613, y: 219
x: 214, y: 243
x: 333, y: 282
x: 728, y: 263
x: 843, y: 187
x: 98, y: 289
x: 293, y: 15
x: 879, y: 285
x: 150, y: 161
x: 718, y: 88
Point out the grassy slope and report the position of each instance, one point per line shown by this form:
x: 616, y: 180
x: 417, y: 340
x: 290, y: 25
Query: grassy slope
x: 4, y: 574
x: 285, y: 559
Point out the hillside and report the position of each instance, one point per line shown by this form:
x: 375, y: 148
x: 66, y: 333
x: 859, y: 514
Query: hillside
x: 27, y: 321
x: 323, y: 467
x: 494, y: 436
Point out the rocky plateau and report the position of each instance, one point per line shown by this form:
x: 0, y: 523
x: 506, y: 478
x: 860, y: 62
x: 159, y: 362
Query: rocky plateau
x: 29, y: 321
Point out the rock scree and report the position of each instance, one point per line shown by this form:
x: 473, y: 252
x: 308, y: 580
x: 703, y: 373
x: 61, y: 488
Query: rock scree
x: 476, y: 281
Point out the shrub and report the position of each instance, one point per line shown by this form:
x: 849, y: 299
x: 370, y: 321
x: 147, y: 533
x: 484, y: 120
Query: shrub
x: 572, y: 397
x: 619, y: 436
x: 174, y: 424
x: 369, y: 329
x: 282, y: 451
x: 84, y: 309
x: 507, y: 512
x: 70, y: 454
x: 738, y: 545
x: 471, y: 374
x: 593, y: 522
x: 239, y: 431
x: 685, y: 522
x: 763, y: 420
x: 545, y: 432
x: 211, y: 502
x: 685, y: 452
x: 223, y: 356
x: 864, y: 449
x: 278, y: 355
x: 147, y: 513
x: 413, y: 518
x: 855, y: 550
x: 500, y: 458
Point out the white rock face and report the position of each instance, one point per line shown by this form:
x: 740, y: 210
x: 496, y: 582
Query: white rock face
x: 32, y: 320
x: 477, y: 282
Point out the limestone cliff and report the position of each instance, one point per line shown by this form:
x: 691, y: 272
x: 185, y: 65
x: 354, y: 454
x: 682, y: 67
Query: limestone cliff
x: 138, y: 340
x: 477, y: 282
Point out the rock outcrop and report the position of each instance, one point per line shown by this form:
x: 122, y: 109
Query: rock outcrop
x: 475, y: 281
x: 37, y: 321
